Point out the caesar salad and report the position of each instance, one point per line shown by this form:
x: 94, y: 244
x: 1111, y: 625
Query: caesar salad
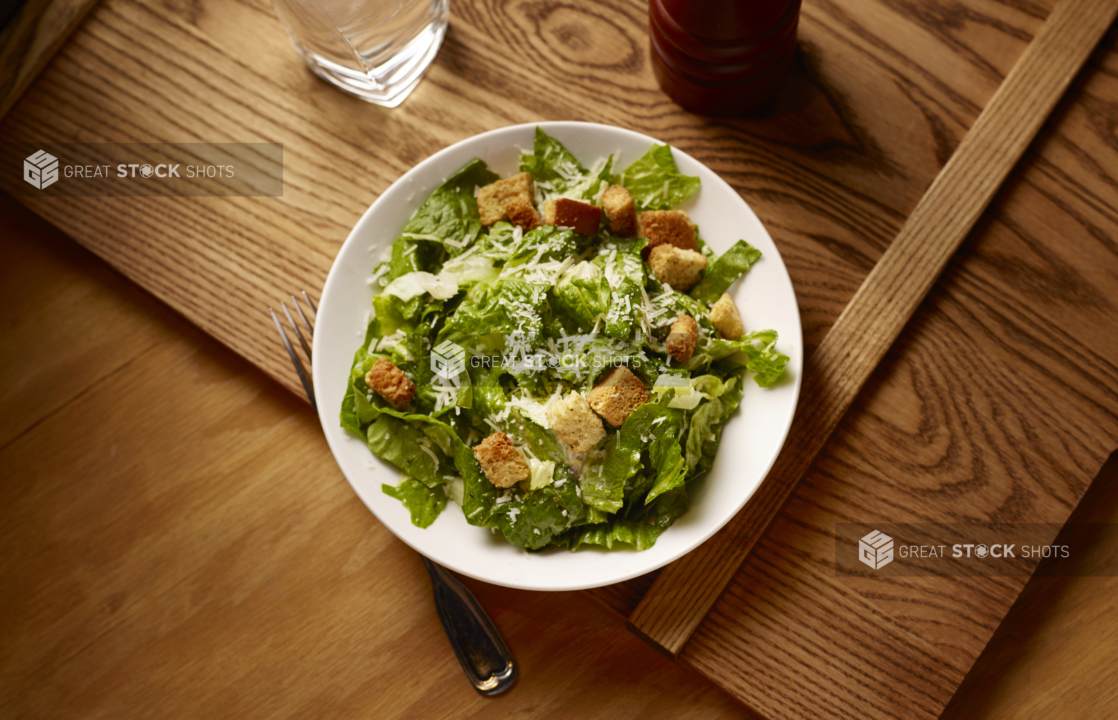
x: 555, y: 352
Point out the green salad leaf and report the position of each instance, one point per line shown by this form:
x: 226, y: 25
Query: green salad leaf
x: 583, y: 293
x: 450, y: 216
x: 557, y: 171
x: 655, y: 182
x: 423, y: 502
x: 727, y: 268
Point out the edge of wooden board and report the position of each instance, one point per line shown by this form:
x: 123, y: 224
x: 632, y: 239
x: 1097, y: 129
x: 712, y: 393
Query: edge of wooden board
x: 31, y: 38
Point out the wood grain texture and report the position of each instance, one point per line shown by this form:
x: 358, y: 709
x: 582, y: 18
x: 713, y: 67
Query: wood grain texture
x: 1060, y: 627
x: 834, y: 172
x: 980, y: 412
x: 1050, y: 657
x: 882, y: 93
x: 162, y: 556
x: 30, y: 40
x: 835, y: 373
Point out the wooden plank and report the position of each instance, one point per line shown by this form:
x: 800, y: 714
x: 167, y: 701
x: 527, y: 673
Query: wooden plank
x: 1053, y: 654
x: 836, y: 372
x: 30, y: 40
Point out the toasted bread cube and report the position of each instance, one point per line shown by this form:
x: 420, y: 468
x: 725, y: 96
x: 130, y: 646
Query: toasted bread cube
x: 575, y: 423
x: 390, y: 383
x: 520, y: 212
x: 679, y: 268
x: 618, y: 205
x: 667, y: 227
x: 617, y: 395
x: 493, y: 199
x: 725, y: 318
x: 682, y: 337
x: 582, y: 217
x: 501, y: 461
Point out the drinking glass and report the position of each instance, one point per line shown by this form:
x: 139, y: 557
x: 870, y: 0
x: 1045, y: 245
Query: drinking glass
x: 375, y: 49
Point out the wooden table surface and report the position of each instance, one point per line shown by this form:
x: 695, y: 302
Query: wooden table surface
x: 163, y: 558
x: 882, y: 94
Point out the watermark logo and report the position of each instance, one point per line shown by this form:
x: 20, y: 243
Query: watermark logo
x: 143, y: 169
x: 448, y: 360
x: 975, y: 549
x: 876, y: 550
x: 40, y: 169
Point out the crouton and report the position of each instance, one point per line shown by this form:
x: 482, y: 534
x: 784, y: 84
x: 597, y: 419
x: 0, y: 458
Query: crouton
x: 619, y: 207
x: 575, y: 423
x: 725, y: 318
x: 679, y: 268
x: 520, y: 212
x: 390, y: 383
x: 501, y: 461
x: 682, y: 337
x: 583, y: 217
x: 617, y: 395
x: 493, y: 199
x: 667, y: 227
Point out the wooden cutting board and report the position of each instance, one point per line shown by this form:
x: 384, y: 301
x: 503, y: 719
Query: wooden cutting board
x: 835, y: 374
x: 881, y: 97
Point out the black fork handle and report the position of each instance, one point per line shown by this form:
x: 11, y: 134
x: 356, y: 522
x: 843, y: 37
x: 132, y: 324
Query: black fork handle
x: 481, y: 650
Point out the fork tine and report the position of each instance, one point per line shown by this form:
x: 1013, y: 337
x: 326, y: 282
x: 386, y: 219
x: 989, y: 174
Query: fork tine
x: 302, y: 340
x: 299, y: 309
x: 310, y: 302
x: 295, y: 360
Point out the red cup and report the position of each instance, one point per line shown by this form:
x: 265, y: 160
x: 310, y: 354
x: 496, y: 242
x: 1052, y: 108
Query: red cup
x: 722, y: 57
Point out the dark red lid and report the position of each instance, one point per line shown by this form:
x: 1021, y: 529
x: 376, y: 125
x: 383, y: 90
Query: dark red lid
x: 725, y: 51
x: 751, y: 58
x: 725, y: 20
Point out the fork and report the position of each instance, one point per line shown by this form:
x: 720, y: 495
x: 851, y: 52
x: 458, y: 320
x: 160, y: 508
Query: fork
x: 481, y: 650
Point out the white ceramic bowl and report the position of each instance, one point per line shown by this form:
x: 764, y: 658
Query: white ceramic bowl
x: 750, y: 441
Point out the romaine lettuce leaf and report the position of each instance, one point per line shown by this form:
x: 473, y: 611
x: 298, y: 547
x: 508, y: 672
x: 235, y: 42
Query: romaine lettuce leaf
x: 470, y: 270
x: 671, y: 473
x: 449, y: 217
x: 559, y: 172
x: 636, y: 534
x: 583, y: 293
x: 503, y: 306
x: 621, y: 264
x: 532, y: 519
x: 763, y: 360
x: 607, y: 471
x: 757, y: 351
x: 544, y: 244
x: 424, y: 503
x: 655, y: 182
x: 640, y: 534
x: 722, y: 273
x: 705, y: 431
x: 702, y: 435
x: 399, y: 443
x: 479, y: 495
